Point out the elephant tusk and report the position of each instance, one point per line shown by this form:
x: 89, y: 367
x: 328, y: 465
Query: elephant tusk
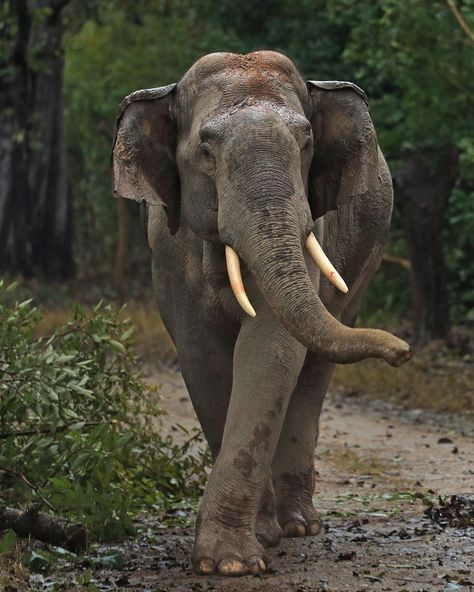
x: 236, y: 283
x: 321, y: 260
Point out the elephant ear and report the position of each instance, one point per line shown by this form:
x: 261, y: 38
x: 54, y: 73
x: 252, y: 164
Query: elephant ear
x: 345, y: 158
x: 143, y: 157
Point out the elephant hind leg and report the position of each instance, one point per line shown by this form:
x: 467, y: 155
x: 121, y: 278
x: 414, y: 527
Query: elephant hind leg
x: 205, y: 360
x: 293, y: 467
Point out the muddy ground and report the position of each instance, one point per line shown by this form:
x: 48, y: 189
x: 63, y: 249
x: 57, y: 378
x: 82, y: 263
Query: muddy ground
x: 379, y: 466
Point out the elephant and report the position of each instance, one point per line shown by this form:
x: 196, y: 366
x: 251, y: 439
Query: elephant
x: 256, y: 186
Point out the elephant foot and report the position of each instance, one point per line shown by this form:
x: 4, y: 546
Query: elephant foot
x: 268, y: 530
x: 301, y: 522
x: 267, y: 527
x: 227, y: 552
x: 295, y: 511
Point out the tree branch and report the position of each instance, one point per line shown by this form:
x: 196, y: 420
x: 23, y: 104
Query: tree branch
x: 27, y: 482
x: 405, y: 263
x: 460, y: 19
x: 5, y: 435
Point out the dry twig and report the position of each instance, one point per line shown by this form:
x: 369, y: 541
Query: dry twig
x: 31, y: 485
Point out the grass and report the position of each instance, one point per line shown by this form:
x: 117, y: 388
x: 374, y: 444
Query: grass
x: 436, y: 379
x: 350, y: 462
x: 393, y: 496
x: 14, y: 577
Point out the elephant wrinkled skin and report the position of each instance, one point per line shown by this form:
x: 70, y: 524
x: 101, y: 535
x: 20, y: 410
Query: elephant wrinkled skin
x: 243, y: 152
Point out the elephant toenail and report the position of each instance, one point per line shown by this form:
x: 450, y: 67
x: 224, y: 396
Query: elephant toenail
x: 314, y: 528
x: 231, y: 567
x: 294, y: 529
x: 205, y: 567
x: 257, y: 566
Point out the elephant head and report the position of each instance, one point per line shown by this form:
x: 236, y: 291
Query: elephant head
x: 246, y: 153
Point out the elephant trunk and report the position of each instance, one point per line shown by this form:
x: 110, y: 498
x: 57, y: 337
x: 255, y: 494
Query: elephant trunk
x: 270, y: 242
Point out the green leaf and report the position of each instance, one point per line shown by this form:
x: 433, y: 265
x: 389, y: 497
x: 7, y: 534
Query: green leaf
x: 117, y: 345
x: 7, y: 542
x: 25, y: 303
x: 113, y: 560
x: 38, y: 562
x: 12, y: 287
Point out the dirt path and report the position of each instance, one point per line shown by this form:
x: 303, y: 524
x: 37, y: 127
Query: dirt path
x: 377, y: 467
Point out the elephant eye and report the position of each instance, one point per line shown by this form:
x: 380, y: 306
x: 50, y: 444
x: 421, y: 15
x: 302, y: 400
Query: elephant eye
x: 205, y: 149
x: 307, y: 143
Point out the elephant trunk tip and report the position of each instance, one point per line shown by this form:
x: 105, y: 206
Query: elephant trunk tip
x: 345, y: 345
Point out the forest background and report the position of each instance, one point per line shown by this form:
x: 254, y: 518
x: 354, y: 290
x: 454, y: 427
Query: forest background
x: 65, y: 65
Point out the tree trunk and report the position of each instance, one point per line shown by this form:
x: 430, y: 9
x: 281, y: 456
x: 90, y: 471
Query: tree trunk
x: 422, y: 190
x: 35, y: 211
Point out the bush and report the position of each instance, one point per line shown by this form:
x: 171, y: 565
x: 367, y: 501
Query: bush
x: 78, y: 425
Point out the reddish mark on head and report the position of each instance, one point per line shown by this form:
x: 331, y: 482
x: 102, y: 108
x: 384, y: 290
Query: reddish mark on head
x: 261, y: 65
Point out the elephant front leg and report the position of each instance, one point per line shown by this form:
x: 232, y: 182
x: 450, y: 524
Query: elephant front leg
x: 293, y: 467
x: 267, y: 362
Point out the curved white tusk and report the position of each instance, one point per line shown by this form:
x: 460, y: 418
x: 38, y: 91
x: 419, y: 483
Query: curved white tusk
x: 236, y: 283
x: 321, y: 260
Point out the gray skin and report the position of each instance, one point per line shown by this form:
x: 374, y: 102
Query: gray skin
x: 244, y: 152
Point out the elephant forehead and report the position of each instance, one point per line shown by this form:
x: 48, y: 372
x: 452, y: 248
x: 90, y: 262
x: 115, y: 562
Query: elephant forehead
x: 261, y: 112
x: 219, y: 85
x: 258, y: 74
x: 258, y: 64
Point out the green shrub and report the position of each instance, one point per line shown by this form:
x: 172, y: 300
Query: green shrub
x: 78, y: 425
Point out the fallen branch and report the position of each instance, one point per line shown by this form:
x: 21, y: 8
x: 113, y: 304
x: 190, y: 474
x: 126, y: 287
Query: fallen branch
x: 43, y: 527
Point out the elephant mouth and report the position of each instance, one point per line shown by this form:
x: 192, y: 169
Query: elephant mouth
x: 315, y: 251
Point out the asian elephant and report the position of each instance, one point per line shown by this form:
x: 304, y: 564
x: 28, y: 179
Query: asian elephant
x: 249, y: 176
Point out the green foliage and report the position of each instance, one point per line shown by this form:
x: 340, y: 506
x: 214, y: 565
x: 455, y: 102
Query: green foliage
x: 127, y: 47
x: 78, y: 425
x: 416, y: 65
x: 109, y: 58
x: 411, y: 56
